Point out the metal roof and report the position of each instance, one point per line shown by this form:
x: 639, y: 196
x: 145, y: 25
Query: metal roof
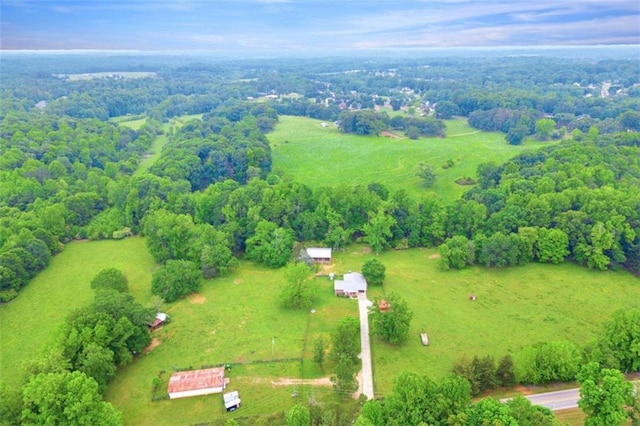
x: 183, y: 381
x: 352, y: 281
x: 319, y: 253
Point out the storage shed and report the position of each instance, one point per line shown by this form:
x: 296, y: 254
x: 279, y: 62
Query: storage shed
x: 232, y: 401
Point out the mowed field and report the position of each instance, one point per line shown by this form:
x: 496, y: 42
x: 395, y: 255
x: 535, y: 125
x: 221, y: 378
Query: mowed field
x: 236, y: 319
x: 28, y: 324
x: 515, y: 307
x: 323, y: 156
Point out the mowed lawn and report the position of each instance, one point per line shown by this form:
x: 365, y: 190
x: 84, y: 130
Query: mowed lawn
x: 323, y: 156
x: 515, y: 307
x: 28, y: 323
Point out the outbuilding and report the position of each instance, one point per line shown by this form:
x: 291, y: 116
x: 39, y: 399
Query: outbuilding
x: 196, y: 382
x: 160, y: 319
x: 319, y: 254
x: 232, y: 401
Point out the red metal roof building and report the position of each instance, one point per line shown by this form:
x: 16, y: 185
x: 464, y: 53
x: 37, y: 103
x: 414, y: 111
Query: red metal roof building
x: 196, y: 382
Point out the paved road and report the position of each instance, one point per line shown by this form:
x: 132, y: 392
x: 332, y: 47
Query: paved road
x: 558, y: 400
x: 365, y: 349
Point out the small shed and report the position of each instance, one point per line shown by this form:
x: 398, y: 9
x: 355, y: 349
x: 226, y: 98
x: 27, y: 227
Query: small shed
x: 383, y: 305
x: 319, y: 254
x: 196, y: 382
x: 232, y: 401
x: 350, y: 285
x: 160, y: 319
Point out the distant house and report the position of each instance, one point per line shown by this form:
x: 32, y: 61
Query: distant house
x: 350, y: 285
x: 231, y: 401
x: 160, y: 319
x: 196, y: 382
x: 319, y: 255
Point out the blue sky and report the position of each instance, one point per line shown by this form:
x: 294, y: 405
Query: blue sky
x: 308, y: 26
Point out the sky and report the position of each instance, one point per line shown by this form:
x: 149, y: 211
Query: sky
x: 308, y: 26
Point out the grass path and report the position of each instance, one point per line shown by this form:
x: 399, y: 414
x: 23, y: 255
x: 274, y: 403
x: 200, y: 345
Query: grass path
x: 161, y: 140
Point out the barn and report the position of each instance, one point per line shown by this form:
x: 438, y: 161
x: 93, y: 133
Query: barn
x: 196, y: 382
x: 319, y: 254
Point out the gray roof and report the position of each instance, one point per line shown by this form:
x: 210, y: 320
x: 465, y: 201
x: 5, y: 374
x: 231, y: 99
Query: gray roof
x: 353, y: 281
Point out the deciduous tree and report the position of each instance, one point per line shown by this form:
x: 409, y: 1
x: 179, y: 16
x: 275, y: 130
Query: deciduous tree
x: 373, y: 271
x: 176, y: 279
x: 66, y: 399
x: 391, y: 323
x: 604, y: 393
x: 299, y: 291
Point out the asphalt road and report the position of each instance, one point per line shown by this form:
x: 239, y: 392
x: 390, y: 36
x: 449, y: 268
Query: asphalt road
x: 558, y: 400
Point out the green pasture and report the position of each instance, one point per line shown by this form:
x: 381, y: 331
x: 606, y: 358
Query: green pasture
x: 323, y: 156
x: 28, y: 324
x: 235, y: 319
x: 515, y: 307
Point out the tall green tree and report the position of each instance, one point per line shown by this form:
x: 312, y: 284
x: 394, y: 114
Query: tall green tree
x: 298, y: 291
x: 427, y: 173
x: 373, y: 271
x: 176, y: 279
x: 271, y: 245
x: 110, y: 278
x: 66, y: 399
x: 621, y: 341
x: 377, y: 231
x: 298, y: 415
x: 391, y: 323
x: 457, y: 252
x: 604, y: 393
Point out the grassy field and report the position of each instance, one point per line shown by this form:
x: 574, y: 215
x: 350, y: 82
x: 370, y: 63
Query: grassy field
x: 236, y: 319
x: 28, y: 323
x: 515, y: 307
x: 160, y: 141
x: 320, y: 156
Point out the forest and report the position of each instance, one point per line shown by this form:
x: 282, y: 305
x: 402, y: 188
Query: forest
x: 69, y: 171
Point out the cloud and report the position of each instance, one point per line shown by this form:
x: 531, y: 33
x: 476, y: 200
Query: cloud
x: 312, y: 24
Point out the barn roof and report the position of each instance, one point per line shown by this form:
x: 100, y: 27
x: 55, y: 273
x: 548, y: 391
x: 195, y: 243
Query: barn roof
x: 183, y: 381
x: 319, y: 253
